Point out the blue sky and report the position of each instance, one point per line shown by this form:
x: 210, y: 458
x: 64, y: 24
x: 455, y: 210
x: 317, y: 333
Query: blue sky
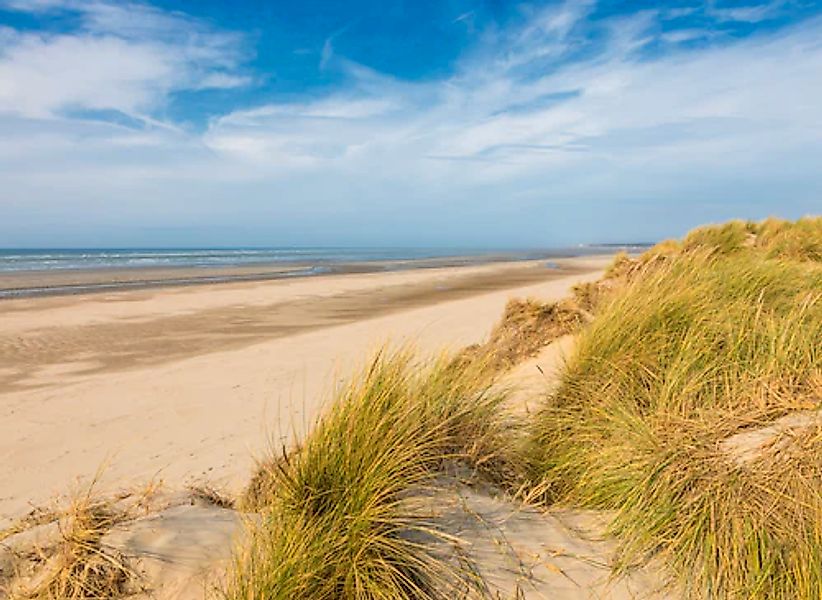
x: 451, y: 122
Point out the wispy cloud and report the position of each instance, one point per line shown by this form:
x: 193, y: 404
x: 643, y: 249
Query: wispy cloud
x: 753, y: 13
x: 616, y: 102
x: 680, y: 36
x: 554, y: 110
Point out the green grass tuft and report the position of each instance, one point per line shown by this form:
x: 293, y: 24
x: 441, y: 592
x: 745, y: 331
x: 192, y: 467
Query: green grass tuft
x: 336, y: 521
x: 799, y: 240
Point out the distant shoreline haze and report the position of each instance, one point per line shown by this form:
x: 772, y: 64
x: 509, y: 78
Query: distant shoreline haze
x: 18, y: 260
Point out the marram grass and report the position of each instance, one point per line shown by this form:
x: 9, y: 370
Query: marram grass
x: 721, y: 335
x: 799, y: 240
x: 336, y: 521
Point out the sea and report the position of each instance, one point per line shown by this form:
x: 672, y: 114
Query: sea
x: 17, y: 266
x: 50, y: 259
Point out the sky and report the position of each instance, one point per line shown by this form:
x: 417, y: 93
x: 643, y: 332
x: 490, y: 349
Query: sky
x: 403, y: 122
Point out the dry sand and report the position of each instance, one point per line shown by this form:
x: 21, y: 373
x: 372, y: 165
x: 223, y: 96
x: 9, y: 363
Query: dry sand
x: 531, y: 380
x: 520, y: 553
x: 191, y: 383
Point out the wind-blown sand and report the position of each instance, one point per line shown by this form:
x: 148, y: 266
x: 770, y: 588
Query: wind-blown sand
x: 191, y: 383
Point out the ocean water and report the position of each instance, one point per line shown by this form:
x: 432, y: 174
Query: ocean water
x: 47, y: 259
x: 37, y: 272
x: 12, y: 260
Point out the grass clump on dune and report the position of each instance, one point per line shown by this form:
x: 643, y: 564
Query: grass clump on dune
x: 526, y: 326
x: 336, y: 521
x: 71, y: 561
x: 793, y: 241
x: 721, y: 336
x: 799, y: 240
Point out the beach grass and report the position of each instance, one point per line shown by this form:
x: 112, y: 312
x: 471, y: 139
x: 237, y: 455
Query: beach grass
x: 526, y: 326
x: 692, y: 344
x: 336, y: 521
x: 71, y: 561
x: 799, y: 240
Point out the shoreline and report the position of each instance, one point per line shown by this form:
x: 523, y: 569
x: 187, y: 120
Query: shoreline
x: 71, y: 282
x: 149, y: 326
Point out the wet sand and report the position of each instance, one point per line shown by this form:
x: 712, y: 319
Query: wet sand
x: 80, y: 336
x: 57, y: 282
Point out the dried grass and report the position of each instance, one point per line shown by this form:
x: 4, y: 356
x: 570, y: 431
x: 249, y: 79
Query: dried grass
x: 72, y: 563
x: 526, y: 327
x: 206, y: 493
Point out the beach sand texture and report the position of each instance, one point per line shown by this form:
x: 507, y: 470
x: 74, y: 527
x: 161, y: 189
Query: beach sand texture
x: 191, y: 383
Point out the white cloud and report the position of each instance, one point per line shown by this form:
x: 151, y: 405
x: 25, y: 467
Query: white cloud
x: 685, y: 35
x: 614, y: 105
x: 39, y: 77
x: 221, y: 81
x: 547, y: 35
x: 35, y: 6
x: 746, y: 14
x: 538, y: 115
x: 126, y: 57
x: 678, y: 12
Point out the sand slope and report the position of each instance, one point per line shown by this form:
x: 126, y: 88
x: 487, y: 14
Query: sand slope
x: 518, y: 552
x: 182, y: 552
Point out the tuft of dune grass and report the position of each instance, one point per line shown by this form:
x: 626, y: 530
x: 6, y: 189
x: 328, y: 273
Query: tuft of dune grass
x: 799, y: 240
x: 693, y: 344
x: 526, y: 326
x: 79, y: 567
x: 772, y: 238
x: 73, y: 564
x: 336, y: 521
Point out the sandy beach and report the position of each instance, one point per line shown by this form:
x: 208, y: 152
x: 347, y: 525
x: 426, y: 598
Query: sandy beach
x: 410, y: 300
x: 189, y: 384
